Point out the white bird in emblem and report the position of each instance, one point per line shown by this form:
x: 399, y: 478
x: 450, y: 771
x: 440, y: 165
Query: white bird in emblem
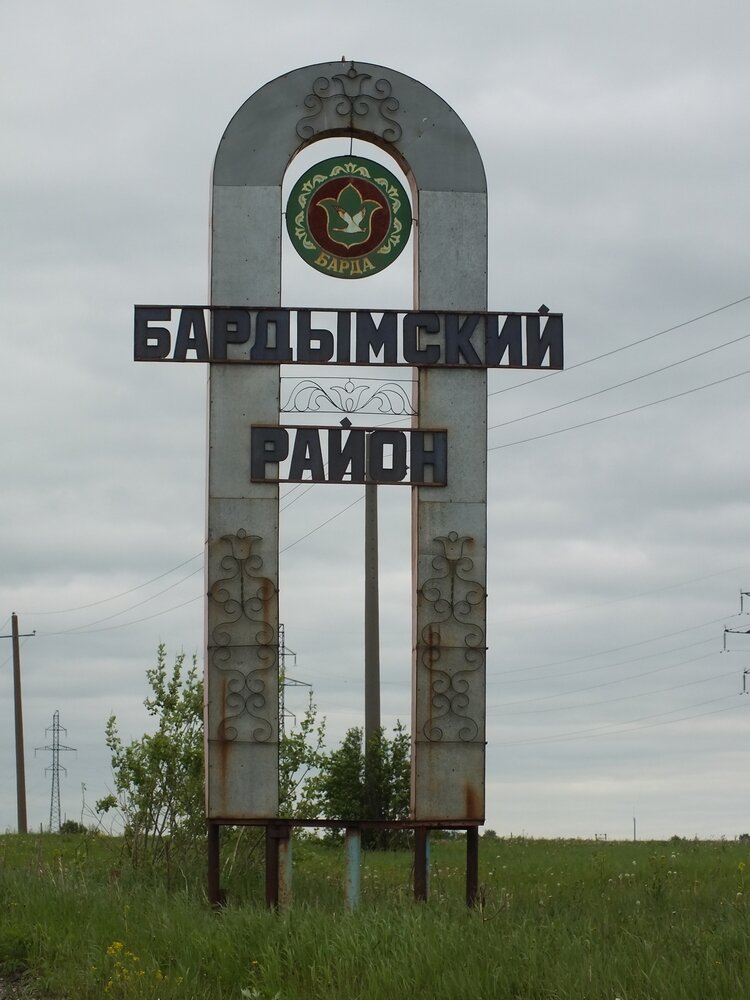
x: 353, y: 222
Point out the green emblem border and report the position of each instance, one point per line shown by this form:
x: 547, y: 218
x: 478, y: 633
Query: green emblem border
x: 352, y: 266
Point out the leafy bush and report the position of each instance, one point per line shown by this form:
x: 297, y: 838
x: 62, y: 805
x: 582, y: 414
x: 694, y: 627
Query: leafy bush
x: 159, y: 777
x: 301, y: 758
x: 368, y: 783
x: 71, y: 826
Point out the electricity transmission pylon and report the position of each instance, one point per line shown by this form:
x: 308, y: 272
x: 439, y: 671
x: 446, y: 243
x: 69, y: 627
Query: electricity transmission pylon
x: 54, y: 768
x: 285, y: 680
x: 740, y: 631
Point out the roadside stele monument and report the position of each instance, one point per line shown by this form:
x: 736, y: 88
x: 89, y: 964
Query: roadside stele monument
x: 349, y: 217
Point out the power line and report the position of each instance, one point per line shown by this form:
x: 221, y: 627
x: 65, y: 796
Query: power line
x: 617, y: 680
x: 132, y: 607
x: 616, y: 649
x: 600, y: 666
x: 114, y: 597
x: 299, y: 497
x: 136, y: 621
x: 621, y: 413
x: 609, y: 701
x: 86, y: 630
x: 21, y: 644
x: 625, y: 347
x: 124, y: 611
x: 599, y: 730
x: 631, y: 597
x: 618, y: 385
x: 322, y: 525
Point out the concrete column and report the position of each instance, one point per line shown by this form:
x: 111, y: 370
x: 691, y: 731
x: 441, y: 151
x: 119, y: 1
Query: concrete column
x: 449, y: 529
x: 242, y: 557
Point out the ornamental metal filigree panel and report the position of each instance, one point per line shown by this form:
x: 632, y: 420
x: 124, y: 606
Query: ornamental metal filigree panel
x: 325, y: 396
x: 243, y: 644
x: 351, y: 100
x: 451, y: 648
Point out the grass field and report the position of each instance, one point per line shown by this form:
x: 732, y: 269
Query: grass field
x: 557, y: 920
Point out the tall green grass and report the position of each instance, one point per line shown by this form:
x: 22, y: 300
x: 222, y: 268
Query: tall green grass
x: 556, y: 921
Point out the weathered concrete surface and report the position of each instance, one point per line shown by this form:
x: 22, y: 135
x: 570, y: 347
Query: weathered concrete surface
x: 449, y: 528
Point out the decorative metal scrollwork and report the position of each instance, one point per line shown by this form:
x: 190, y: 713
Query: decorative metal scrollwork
x: 356, y: 100
x: 452, y: 643
x: 310, y: 396
x: 244, y: 644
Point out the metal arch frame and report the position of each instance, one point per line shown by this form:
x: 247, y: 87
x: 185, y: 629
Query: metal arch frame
x: 437, y: 153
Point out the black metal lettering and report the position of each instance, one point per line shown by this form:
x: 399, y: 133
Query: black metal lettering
x: 151, y: 343
x: 272, y: 336
x: 343, y: 337
x: 228, y: 326
x: 549, y: 341
x: 413, y: 323
x: 307, y: 456
x: 342, y: 457
x: 191, y: 336
x: 267, y: 445
x: 306, y: 336
x: 376, y: 337
x: 377, y: 470
x: 508, y: 339
x: 434, y: 458
x: 458, y: 339
x: 466, y: 340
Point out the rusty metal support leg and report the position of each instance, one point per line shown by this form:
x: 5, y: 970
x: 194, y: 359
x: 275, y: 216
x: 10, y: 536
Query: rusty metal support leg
x: 285, y: 868
x: 215, y: 895
x: 421, y: 863
x: 472, y: 865
x: 272, y: 867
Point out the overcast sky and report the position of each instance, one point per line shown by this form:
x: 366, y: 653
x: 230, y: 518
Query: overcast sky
x: 616, y: 144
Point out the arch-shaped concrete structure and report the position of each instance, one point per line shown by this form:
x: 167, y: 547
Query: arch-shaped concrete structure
x: 435, y: 149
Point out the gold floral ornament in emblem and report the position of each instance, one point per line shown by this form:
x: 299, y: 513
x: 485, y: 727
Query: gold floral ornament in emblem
x: 348, y: 217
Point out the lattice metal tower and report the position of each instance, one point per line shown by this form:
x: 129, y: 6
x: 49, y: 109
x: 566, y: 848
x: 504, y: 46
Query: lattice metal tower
x: 285, y: 681
x: 54, y: 768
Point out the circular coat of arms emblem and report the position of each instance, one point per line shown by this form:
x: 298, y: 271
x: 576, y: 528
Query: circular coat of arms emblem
x: 348, y: 217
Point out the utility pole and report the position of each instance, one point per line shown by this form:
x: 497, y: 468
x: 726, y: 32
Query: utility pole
x: 18, y: 713
x: 55, y: 768
x: 373, y: 808
x: 372, y: 607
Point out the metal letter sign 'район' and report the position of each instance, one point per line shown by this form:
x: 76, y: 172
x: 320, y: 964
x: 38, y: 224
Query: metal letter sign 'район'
x: 347, y: 217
